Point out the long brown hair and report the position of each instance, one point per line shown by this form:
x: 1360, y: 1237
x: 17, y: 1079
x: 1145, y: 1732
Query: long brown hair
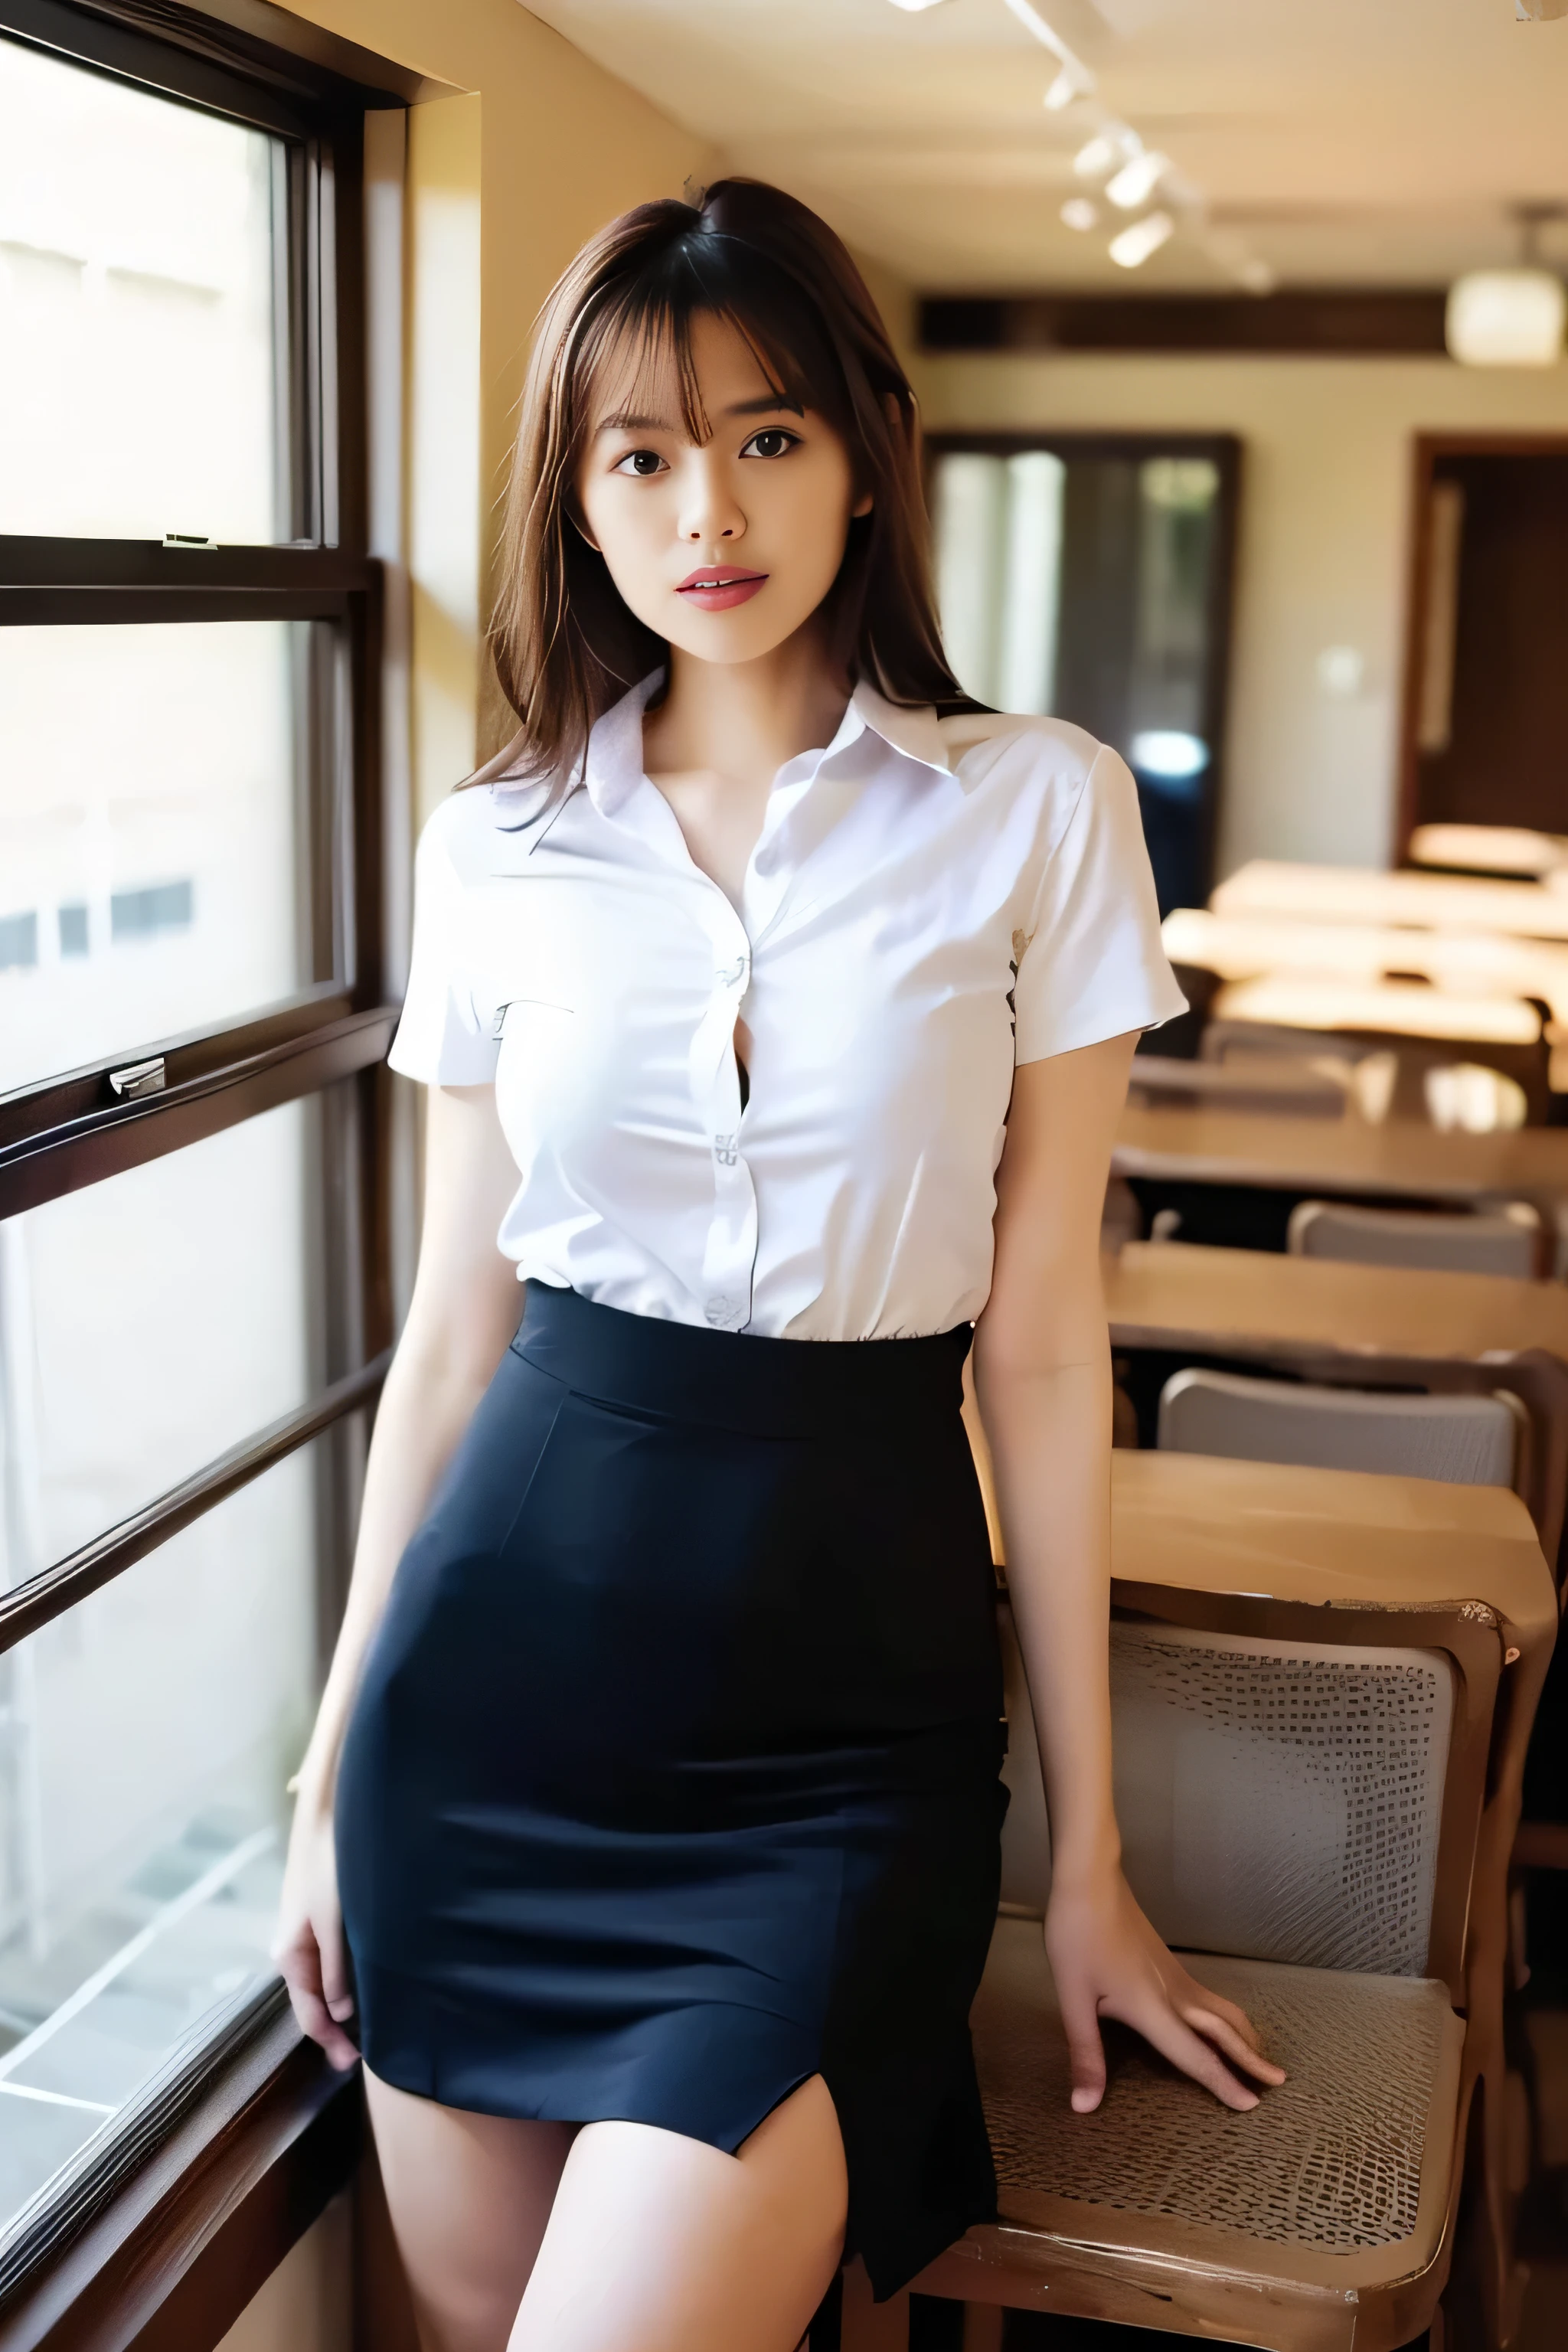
x: 565, y: 646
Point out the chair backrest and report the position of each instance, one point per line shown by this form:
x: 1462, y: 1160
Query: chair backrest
x: 1351, y: 1636
x: 1467, y: 1440
x: 1502, y: 1240
x: 1277, y: 1800
x: 1284, y: 1085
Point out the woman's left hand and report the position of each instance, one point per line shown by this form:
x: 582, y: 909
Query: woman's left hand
x: 1108, y: 1961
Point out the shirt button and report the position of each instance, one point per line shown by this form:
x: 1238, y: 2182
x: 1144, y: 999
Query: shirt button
x: 721, y: 1310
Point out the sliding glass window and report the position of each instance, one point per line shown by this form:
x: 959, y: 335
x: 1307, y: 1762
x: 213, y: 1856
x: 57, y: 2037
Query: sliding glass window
x: 193, y: 1295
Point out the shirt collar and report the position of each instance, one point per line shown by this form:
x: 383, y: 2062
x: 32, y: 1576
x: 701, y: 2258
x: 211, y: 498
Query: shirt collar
x: 914, y: 731
x: 613, y: 767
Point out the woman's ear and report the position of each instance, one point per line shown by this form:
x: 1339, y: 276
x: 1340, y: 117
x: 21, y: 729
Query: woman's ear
x: 862, y: 506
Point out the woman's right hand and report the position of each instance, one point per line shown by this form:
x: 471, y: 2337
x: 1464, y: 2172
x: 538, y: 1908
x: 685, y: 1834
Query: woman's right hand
x: 309, y: 1947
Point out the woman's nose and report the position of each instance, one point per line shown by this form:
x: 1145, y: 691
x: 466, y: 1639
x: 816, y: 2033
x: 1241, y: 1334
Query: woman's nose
x: 710, y: 510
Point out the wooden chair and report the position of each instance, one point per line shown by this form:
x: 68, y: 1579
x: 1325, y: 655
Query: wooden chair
x: 1507, y: 1240
x: 1349, y: 1890
x: 1424, y: 1028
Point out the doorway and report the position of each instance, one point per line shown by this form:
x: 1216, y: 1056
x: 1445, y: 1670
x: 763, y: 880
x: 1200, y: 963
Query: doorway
x: 1089, y: 575
x: 1485, y: 724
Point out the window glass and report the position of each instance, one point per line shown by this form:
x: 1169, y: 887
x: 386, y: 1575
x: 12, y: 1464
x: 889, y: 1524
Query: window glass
x: 147, y: 1736
x: 147, y: 1324
x: 153, y: 872
x: 136, y: 311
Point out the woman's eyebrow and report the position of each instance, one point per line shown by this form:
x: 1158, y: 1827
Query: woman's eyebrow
x: 769, y: 401
x: 624, y: 421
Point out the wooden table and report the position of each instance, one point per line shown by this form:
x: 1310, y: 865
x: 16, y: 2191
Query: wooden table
x: 1488, y: 850
x: 1242, y: 1172
x: 1366, y: 1326
x: 1349, y: 894
x: 1246, y: 947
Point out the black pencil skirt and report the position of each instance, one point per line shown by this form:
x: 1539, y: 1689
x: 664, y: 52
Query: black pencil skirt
x: 672, y: 1780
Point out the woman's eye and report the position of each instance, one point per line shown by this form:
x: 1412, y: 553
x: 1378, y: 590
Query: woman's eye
x: 773, y: 441
x: 641, y: 463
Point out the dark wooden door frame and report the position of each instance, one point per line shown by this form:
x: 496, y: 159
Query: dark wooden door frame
x: 1224, y: 450
x: 1427, y: 449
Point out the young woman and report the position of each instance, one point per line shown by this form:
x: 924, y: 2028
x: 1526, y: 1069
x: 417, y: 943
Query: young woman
x: 780, y: 1023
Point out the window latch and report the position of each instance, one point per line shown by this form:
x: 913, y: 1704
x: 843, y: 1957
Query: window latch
x: 139, y: 1078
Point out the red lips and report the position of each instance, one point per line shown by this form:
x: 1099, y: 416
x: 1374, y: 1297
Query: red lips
x: 718, y: 587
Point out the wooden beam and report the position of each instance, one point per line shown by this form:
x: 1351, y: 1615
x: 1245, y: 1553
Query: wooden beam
x: 1333, y: 321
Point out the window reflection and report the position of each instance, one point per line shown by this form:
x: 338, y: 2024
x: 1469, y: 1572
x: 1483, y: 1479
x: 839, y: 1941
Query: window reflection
x: 153, y: 872
x: 144, y: 1741
x: 147, y: 1324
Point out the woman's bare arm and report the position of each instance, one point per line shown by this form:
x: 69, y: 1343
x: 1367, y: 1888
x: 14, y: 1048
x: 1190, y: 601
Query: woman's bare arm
x: 462, y: 1314
x: 1042, y: 1377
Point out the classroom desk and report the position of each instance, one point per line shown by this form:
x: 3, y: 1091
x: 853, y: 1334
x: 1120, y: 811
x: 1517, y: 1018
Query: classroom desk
x: 1246, y: 947
x: 1349, y: 894
x: 1382, y: 1008
x: 1362, y: 1326
x: 1500, y: 849
x: 1248, y: 1169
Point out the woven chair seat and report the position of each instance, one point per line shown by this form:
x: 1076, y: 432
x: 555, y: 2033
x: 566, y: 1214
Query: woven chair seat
x: 1339, y: 2178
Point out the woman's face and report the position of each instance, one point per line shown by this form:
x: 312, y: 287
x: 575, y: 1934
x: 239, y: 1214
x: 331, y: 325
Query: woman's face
x: 725, y: 547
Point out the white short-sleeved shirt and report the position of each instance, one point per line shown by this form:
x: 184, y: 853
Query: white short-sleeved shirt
x: 929, y: 902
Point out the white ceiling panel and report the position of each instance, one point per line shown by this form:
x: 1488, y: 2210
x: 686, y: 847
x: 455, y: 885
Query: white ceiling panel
x: 1383, y: 142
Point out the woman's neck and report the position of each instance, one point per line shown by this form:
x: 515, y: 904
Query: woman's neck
x: 743, y: 720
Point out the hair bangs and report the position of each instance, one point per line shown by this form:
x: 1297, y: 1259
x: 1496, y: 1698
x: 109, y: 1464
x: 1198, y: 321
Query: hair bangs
x: 638, y: 363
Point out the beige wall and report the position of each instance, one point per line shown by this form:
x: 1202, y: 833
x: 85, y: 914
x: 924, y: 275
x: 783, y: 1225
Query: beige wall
x: 504, y: 183
x: 1322, y: 548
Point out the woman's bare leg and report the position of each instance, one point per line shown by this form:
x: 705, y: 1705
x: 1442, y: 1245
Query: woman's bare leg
x: 660, y: 2244
x: 469, y: 2196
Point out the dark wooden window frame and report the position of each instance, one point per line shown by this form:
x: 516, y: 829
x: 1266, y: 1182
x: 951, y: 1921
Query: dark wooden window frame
x: 1426, y: 451
x: 1223, y: 451
x: 166, y: 2239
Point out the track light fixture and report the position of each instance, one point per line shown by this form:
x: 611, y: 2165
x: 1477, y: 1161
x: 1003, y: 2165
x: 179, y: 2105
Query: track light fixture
x: 1137, y: 180
x: 1132, y: 247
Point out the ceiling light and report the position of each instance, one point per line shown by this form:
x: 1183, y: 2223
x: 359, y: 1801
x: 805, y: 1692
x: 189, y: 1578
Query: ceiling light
x: 1104, y: 152
x: 1080, y: 213
x: 1137, y: 181
x: 1072, y: 81
x: 1506, y: 318
x: 913, y: 7
x: 1132, y: 249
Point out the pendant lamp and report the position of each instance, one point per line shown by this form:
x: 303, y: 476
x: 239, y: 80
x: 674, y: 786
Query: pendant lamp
x: 1510, y: 318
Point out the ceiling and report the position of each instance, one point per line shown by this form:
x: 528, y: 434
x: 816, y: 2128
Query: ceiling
x: 1332, y: 142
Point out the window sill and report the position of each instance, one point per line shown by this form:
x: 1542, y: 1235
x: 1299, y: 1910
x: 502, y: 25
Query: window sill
x: 172, y: 2261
